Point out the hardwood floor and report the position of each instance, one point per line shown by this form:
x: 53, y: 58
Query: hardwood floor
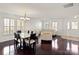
x: 58, y: 46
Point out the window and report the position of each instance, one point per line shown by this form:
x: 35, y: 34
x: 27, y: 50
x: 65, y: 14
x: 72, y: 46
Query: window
x: 68, y: 25
x: 8, y: 26
x: 11, y: 26
x: 54, y: 26
x: 74, y: 25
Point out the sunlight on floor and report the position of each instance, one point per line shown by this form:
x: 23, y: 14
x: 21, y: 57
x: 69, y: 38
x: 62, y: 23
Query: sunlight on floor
x: 8, y: 50
x: 74, y: 48
x: 55, y: 44
x: 68, y: 46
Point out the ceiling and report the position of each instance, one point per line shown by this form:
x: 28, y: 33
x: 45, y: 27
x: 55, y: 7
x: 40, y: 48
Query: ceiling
x: 40, y: 9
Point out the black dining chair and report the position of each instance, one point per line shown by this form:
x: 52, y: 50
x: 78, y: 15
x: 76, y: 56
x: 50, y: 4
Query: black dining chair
x: 17, y: 40
x: 30, y: 42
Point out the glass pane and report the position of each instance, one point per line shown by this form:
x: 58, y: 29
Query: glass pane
x: 54, y: 26
x: 6, y: 29
x: 74, y: 25
x: 11, y: 29
x: 11, y: 22
x: 6, y: 22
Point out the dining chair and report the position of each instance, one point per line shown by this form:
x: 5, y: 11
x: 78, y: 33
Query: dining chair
x: 17, y: 41
x: 30, y: 42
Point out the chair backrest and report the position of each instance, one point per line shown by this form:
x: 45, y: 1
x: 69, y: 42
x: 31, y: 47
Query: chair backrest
x: 19, y: 31
x: 33, y: 36
x: 17, y: 36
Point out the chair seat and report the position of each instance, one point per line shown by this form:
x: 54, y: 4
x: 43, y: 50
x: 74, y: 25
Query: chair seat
x: 17, y: 40
x: 31, y: 41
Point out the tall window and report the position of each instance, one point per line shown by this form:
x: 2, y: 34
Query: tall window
x: 54, y: 26
x: 8, y: 26
x: 12, y: 26
x: 74, y: 25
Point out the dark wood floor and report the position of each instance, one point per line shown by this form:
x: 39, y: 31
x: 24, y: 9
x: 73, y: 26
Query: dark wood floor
x: 58, y: 46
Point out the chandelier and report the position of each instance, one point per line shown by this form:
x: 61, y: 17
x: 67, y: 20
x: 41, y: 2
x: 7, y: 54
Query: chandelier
x: 25, y: 17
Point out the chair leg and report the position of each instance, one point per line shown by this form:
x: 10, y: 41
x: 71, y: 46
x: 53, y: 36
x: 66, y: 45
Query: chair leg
x: 20, y: 44
x: 24, y: 44
x: 15, y: 46
x: 34, y: 48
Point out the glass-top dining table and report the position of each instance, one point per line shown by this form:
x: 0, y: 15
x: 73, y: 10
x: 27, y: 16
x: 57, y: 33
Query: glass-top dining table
x: 25, y: 35
x: 26, y: 39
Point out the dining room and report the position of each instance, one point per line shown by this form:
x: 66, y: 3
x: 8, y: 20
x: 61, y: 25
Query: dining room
x: 39, y: 28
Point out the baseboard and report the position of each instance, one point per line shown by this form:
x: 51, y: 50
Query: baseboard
x: 5, y: 43
x: 70, y: 37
